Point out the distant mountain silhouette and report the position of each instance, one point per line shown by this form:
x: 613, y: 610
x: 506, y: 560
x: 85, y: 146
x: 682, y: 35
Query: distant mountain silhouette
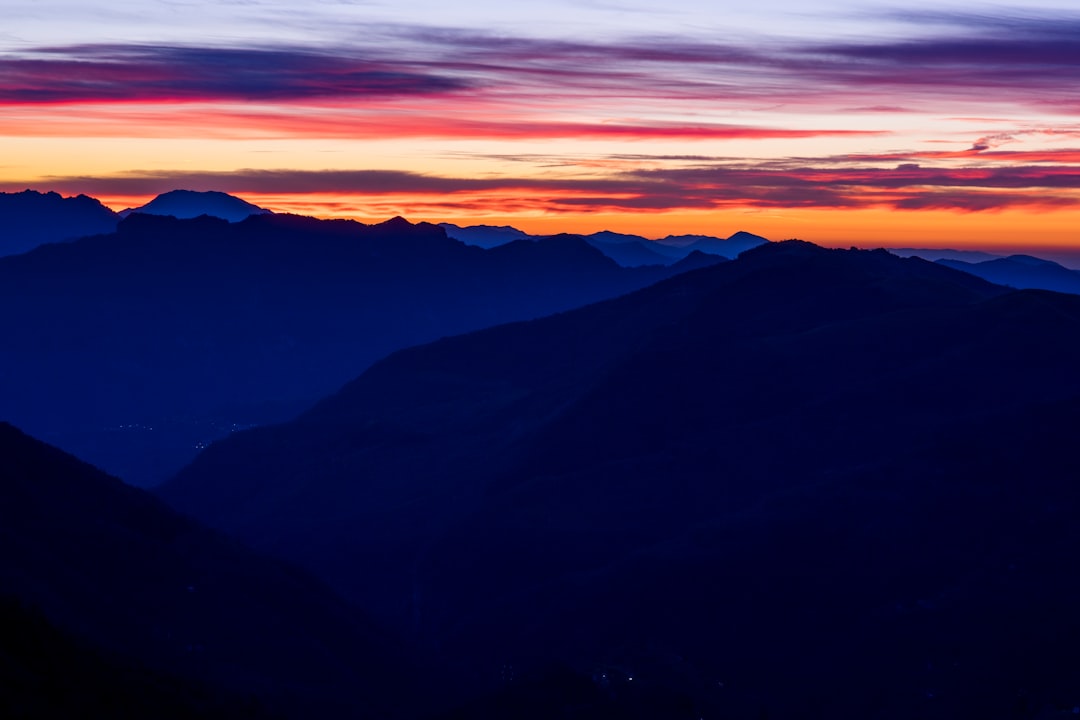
x: 485, y: 236
x: 933, y: 255
x: 108, y: 597
x: 729, y: 247
x: 609, y: 237
x: 626, y: 250
x: 808, y: 482
x: 30, y: 218
x: 187, y: 204
x: 634, y: 254
x: 1022, y: 272
x: 631, y: 251
x: 134, y: 349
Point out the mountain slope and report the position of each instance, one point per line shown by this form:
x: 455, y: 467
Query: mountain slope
x: 187, y: 204
x: 30, y: 218
x: 115, y: 574
x: 135, y: 348
x: 806, y: 482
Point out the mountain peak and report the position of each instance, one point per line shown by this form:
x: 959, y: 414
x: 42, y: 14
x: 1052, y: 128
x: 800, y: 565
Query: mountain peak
x: 1031, y: 261
x: 395, y: 223
x: 785, y: 248
x: 186, y: 204
x: 744, y: 235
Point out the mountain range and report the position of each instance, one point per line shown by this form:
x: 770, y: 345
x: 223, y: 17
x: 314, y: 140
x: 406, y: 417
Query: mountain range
x: 627, y: 250
x: 133, y: 349
x: 535, y: 479
x: 1023, y: 272
x: 31, y: 218
x: 805, y: 483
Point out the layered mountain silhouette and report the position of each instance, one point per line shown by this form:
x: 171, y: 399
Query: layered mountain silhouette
x: 112, y: 605
x: 30, y: 218
x: 935, y: 254
x: 729, y: 247
x: 1022, y: 272
x: 134, y: 349
x: 626, y: 250
x: 187, y: 204
x: 812, y: 483
x: 485, y: 236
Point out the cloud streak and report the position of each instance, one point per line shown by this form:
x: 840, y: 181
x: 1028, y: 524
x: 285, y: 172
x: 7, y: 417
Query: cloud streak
x: 542, y: 125
x: 907, y: 187
x: 1033, y: 65
x: 151, y: 74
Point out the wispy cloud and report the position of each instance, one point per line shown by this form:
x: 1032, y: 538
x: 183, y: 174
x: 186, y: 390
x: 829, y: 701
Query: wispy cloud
x: 1031, y: 63
x: 805, y: 123
x: 148, y: 73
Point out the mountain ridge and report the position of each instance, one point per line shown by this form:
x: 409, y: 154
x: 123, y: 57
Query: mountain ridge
x: 135, y: 347
x: 188, y: 204
x: 31, y: 218
x: 751, y: 440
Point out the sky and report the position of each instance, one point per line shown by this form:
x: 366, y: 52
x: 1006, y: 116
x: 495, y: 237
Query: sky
x: 908, y: 124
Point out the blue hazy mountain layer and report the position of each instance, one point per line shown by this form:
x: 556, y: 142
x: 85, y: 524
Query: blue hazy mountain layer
x: 135, y: 349
x: 29, y: 219
x: 935, y: 254
x: 626, y: 250
x: 806, y: 478
x: 187, y: 204
x: 1022, y: 272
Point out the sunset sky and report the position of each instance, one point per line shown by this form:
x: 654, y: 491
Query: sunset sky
x: 857, y: 123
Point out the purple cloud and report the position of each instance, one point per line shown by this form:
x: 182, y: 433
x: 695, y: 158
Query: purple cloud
x: 1031, y: 61
x: 170, y: 73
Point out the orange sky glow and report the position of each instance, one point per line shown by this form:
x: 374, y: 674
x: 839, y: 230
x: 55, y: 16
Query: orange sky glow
x: 947, y: 130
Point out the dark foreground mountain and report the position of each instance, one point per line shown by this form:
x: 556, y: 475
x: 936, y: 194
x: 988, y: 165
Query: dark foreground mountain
x: 47, y: 673
x: 1023, y: 272
x: 29, y: 219
x: 806, y: 483
x: 134, y: 349
x: 112, y: 605
x: 187, y: 204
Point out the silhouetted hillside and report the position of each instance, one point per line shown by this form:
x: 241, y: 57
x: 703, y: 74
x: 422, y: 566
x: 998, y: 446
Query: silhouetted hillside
x: 46, y: 673
x: 188, y: 204
x: 29, y: 219
x: 147, y: 597
x: 135, y: 349
x: 806, y: 483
